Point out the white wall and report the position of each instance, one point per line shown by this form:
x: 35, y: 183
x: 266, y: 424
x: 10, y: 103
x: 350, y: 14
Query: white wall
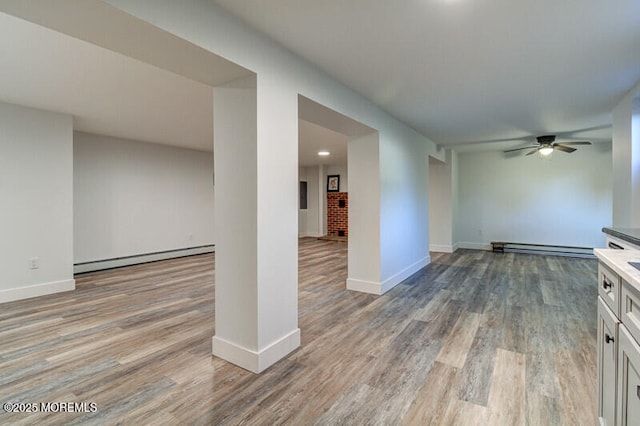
x: 562, y: 201
x: 440, y: 206
x: 626, y: 160
x: 310, y: 221
x: 635, y: 162
x: 133, y: 198
x: 403, y: 152
x: 404, y: 206
x: 622, y: 158
x: 455, y: 199
x: 337, y: 169
x: 364, y: 215
x: 332, y: 169
x: 36, y: 189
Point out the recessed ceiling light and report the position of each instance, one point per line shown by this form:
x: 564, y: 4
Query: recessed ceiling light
x: 323, y: 153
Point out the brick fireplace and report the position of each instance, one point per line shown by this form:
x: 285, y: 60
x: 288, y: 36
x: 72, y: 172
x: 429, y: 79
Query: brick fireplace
x: 337, y: 214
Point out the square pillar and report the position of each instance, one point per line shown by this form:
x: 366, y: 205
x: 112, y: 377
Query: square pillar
x: 255, y: 163
x: 364, y: 214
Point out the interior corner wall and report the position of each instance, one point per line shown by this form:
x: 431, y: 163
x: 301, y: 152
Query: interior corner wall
x: 363, y: 214
x: 36, y: 188
x: 135, y: 198
x: 565, y: 200
x: 455, y: 199
x: 635, y: 163
x: 309, y: 219
x: 303, y: 213
x: 404, y: 207
x: 626, y: 163
x: 314, y: 217
x: 440, y: 206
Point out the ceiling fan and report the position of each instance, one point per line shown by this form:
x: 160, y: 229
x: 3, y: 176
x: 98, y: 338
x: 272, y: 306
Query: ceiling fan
x: 547, y: 144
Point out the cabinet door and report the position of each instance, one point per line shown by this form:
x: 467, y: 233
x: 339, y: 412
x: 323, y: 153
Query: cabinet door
x: 628, y: 379
x: 607, y: 360
x: 630, y: 309
x: 609, y: 288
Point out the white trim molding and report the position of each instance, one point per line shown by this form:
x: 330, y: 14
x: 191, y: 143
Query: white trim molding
x: 363, y: 286
x: 396, y: 279
x: 474, y: 246
x: 377, y: 288
x: 440, y: 248
x: 19, y: 293
x: 253, y: 361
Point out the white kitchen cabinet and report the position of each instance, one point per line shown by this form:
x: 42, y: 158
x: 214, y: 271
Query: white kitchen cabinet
x: 618, y: 337
x: 607, y: 362
x: 628, y: 409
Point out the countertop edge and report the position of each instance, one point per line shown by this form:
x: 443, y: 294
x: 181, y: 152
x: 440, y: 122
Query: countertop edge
x: 622, y: 235
x: 618, y: 261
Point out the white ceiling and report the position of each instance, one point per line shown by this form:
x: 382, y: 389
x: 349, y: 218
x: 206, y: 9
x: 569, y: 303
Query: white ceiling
x: 465, y: 71
x: 106, y: 92
x: 314, y: 138
x: 113, y: 94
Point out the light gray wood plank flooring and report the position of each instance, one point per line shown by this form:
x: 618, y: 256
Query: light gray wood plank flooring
x: 474, y: 338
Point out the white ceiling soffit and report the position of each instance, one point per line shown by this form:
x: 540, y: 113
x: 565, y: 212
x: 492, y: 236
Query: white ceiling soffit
x: 314, y: 138
x: 321, y: 128
x: 462, y: 71
x: 106, y: 92
x: 314, y: 112
x: 104, y: 25
x: 117, y: 75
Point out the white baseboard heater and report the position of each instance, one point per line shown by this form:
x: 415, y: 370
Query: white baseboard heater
x: 548, y: 249
x: 117, y: 262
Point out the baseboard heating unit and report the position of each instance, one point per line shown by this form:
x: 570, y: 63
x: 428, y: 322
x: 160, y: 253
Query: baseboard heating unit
x: 117, y: 262
x: 547, y: 249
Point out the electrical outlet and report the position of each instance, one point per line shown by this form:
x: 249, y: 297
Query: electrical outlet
x: 34, y: 263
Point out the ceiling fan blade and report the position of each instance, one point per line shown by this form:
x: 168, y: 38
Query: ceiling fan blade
x: 518, y: 149
x: 574, y: 143
x: 563, y: 148
x: 532, y: 151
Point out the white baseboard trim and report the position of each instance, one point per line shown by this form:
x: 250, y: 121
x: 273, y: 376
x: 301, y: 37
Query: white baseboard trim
x: 363, y: 286
x: 456, y: 246
x: 377, y: 288
x: 19, y: 293
x: 98, y: 265
x: 396, y: 279
x: 440, y: 248
x: 256, y: 362
x: 311, y: 235
x: 474, y: 246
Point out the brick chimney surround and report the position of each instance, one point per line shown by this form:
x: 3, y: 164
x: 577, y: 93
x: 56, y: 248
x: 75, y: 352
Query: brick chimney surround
x: 337, y: 214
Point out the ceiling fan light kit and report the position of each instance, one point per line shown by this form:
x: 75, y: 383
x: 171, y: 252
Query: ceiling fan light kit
x: 546, y: 150
x: 547, y: 144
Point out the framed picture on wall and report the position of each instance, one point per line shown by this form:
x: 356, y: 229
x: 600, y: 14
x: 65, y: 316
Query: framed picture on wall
x: 333, y: 183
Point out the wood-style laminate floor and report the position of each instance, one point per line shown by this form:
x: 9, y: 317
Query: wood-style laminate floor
x: 474, y: 338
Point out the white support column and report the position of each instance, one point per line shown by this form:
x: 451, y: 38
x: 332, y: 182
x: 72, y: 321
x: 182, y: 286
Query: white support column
x: 441, y: 204
x: 635, y: 162
x: 626, y: 160
x: 255, y: 156
x: 364, y: 214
